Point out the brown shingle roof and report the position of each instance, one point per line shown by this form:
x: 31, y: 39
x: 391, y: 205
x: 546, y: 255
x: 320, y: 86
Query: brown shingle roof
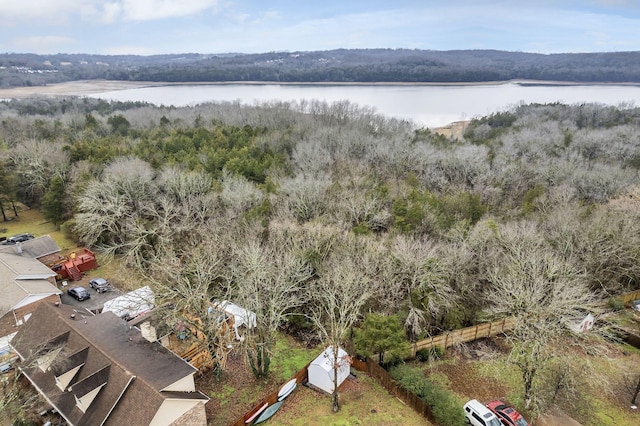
x: 135, y: 370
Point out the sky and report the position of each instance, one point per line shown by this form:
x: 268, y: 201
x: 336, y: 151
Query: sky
x: 149, y: 27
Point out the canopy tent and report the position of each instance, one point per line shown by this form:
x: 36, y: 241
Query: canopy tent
x: 321, y: 373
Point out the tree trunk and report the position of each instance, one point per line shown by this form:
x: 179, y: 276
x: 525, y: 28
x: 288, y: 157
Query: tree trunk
x: 4, y: 215
x: 336, y: 364
x: 635, y: 395
x: 259, y: 360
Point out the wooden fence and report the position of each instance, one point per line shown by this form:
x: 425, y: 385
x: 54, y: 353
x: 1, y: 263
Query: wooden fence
x: 373, y: 369
x: 469, y: 334
x: 628, y: 297
x: 300, y: 376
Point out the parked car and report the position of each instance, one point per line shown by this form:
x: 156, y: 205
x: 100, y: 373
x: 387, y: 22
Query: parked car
x: 99, y: 284
x: 635, y: 305
x: 506, y: 413
x: 79, y: 293
x: 479, y: 415
x: 18, y: 238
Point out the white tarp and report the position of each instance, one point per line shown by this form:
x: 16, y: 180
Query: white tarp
x: 131, y: 304
x: 585, y: 325
x: 241, y: 316
x: 321, y: 373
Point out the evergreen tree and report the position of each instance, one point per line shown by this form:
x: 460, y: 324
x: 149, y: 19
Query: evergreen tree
x: 383, y: 335
x: 53, y: 201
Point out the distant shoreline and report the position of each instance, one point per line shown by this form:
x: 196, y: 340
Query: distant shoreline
x: 86, y: 87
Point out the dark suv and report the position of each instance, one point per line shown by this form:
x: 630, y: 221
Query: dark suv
x: 19, y: 238
x: 79, y: 293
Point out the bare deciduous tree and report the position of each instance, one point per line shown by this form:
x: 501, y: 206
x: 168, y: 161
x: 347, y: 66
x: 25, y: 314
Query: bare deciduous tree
x: 185, y: 285
x: 420, y: 277
x: 268, y: 279
x: 345, y: 285
x: 36, y: 162
x: 544, y: 295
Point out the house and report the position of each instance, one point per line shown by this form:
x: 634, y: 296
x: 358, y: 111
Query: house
x: 99, y: 370
x: 24, y: 283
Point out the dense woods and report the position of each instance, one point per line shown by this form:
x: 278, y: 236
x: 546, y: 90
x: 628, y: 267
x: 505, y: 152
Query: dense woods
x: 341, y: 65
x: 313, y: 214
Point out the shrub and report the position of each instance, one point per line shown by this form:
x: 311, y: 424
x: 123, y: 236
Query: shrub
x: 446, y: 407
x: 616, y: 304
x: 429, y: 354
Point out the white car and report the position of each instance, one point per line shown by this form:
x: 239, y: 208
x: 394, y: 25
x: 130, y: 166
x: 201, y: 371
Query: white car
x: 479, y: 415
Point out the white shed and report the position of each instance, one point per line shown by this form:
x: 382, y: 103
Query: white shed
x: 320, y: 370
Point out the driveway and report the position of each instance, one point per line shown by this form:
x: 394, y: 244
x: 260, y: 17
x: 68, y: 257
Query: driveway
x: 93, y: 304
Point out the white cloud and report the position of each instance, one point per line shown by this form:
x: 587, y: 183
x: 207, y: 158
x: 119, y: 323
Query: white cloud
x: 65, y: 11
x: 58, y: 11
x: 147, y: 10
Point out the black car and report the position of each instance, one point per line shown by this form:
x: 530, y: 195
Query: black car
x: 79, y: 293
x: 18, y: 238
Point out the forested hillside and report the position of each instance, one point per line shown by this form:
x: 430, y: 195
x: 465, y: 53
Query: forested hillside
x: 342, y: 65
x: 314, y: 214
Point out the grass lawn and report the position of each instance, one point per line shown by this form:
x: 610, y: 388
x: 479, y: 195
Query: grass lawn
x: 33, y: 222
x: 363, y: 400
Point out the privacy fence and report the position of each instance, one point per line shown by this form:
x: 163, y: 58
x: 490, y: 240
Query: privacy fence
x: 373, y: 369
x: 444, y: 341
x: 628, y: 297
x: 464, y: 335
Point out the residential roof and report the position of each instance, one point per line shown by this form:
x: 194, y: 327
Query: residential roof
x: 113, y: 373
x: 34, y: 248
x: 23, y: 280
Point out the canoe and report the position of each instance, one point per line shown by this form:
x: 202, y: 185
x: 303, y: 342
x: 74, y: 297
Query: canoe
x: 287, y: 387
x: 287, y: 393
x: 256, y: 413
x: 270, y: 411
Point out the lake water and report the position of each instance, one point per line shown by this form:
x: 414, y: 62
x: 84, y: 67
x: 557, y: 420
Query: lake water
x: 426, y: 105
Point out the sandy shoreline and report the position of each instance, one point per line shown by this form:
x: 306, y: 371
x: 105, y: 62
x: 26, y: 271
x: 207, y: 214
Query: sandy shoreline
x: 85, y: 87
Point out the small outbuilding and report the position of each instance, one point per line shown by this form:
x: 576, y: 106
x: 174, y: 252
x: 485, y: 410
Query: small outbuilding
x: 320, y: 370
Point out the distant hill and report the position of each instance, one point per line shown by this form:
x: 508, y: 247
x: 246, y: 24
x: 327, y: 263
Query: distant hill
x: 341, y: 65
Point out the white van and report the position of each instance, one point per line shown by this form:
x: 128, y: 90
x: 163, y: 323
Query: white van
x: 479, y: 415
